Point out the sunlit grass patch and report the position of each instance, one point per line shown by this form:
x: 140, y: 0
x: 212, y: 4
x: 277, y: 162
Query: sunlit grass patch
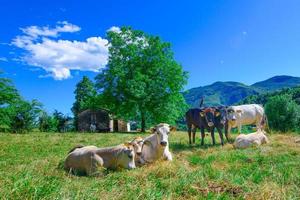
x: 31, y: 168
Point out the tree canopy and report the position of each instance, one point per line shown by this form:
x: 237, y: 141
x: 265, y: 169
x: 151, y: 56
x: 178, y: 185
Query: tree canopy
x: 85, y: 95
x: 142, y: 80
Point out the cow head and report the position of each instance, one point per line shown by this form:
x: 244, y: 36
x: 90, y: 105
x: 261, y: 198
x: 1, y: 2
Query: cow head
x: 162, y: 132
x: 221, y: 115
x: 127, y: 156
x: 209, y: 115
x: 137, y: 144
x: 232, y: 114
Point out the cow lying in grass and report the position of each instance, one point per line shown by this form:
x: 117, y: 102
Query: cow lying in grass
x: 89, y: 158
x: 137, y: 144
x: 156, y: 146
x: 253, y: 139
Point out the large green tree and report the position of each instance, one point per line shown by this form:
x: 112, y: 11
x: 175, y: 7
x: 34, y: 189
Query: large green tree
x: 85, y: 94
x: 16, y: 114
x: 142, y: 80
x: 8, y: 96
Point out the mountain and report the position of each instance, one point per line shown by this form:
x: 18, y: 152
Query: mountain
x: 277, y: 83
x: 228, y: 93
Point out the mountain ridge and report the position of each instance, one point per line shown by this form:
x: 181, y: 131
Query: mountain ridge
x: 230, y: 92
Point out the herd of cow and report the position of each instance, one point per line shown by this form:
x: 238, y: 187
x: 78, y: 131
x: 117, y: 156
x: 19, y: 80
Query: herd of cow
x: 139, y: 151
x: 223, y: 118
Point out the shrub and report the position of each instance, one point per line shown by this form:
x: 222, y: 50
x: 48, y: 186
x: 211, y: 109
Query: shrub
x: 283, y: 113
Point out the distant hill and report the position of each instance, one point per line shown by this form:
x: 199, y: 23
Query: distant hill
x: 294, y: 92
x: 277, y: 83
x: 228, y: 93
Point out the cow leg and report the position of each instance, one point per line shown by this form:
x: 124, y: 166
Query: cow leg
x: 212, y: 132
x: 239, y: 128
x: 202, y: 136
x: 189, y: 133
x: 194, y: 134
x: 221, y: 135
x: 227, y: 132
x: 259, y: 124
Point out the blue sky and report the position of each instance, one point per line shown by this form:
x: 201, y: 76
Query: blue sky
x: 225, y: 40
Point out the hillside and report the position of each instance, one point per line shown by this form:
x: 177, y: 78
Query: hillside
x: 219, y: 93
x: 263, y: 98
x: 228, y: 93
x: 277, y: 83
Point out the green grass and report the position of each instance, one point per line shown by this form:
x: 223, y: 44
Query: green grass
x: 30, y: 169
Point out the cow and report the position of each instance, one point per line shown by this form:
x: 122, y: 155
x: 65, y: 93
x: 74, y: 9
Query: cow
x: 196, y: 118
x: 245, y: 115
x: 137, y: 144
x: 253, y: 139
x: 156, y: 146
x: 88, y: 159
x: 217, y: 118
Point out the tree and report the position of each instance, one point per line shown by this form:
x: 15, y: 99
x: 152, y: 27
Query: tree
x: 283, y: 113
x: 8, y: 92
x: 23, y: 115
x: 8, y: 96
x: 62, y: 121
x: 47, y: 123
x: 85, y: 95
x: 142, y: 81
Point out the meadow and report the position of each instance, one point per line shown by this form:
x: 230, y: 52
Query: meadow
x: 30, y: 168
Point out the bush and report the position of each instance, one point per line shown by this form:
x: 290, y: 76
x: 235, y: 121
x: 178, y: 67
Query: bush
x: 23, y: 115
x: 283, y: 113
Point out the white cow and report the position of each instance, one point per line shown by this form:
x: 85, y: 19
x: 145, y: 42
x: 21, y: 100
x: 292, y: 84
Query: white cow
x: 137, y: 144
x: 253, y: 139
x: 245, y: 115
x: 88, y: 159
x: 156, y: 146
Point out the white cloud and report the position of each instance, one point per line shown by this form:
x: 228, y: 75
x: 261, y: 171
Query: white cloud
x: 3, y: 59
x: 57, y: 56
x: 61, y: 27
x: 114, y: 29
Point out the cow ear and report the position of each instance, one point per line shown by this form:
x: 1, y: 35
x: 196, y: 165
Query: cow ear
x: 172, y: 128
x: 153, y: 129
x: 127, y: 144
x: 239, y: 111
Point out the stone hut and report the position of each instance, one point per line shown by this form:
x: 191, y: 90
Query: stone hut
x: 100, y: 121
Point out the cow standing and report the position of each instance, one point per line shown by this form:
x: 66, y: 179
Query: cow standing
x: 217, y: 118
x: 196, y: 118
x: 245, y: 115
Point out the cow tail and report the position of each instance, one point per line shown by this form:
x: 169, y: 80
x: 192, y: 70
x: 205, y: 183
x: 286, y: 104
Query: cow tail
x: 265, y: 123
x: 201, y: 102
x: 76, y: 147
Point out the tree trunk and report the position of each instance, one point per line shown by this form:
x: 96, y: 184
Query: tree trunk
x: 143, y: 122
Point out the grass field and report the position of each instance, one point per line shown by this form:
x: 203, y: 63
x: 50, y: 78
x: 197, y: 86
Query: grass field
x: 29, y: 169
